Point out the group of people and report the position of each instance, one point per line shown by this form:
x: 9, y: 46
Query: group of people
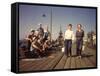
x: 69, y: 37
x: 38, y: 41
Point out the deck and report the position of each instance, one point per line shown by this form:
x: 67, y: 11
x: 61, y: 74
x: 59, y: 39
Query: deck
x: 60, y: 61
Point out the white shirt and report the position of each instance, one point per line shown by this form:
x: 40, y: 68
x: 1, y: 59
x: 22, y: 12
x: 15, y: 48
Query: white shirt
x: 69, y: 35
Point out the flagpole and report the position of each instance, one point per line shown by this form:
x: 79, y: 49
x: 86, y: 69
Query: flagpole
x: 51, y: 24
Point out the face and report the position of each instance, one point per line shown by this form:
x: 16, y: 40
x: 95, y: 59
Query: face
x: 69, y: 27
x: 32, y: 33
x: 45, y: 28
x: 48, y: 38
x: 36, y: 33
x: 78, y: 26
x: 40, y: 25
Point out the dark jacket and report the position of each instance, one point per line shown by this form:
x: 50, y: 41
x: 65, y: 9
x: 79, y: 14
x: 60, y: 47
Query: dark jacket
x: 79, y: 34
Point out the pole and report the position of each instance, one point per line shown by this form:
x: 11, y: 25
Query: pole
x: 51, y: 25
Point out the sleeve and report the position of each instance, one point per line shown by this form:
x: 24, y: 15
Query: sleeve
x: 73, y: 36
x: 83, y: 34
x: 64, y: 35
x: 76, y: 34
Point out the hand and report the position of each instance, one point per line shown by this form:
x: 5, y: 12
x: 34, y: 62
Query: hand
x: 41, y: 50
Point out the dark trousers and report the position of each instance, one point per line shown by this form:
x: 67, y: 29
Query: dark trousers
x: 79, y: 44
x: 29, y: 45
x: 68, y: 46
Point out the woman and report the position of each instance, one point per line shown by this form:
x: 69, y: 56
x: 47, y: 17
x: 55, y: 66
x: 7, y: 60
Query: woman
x: 69, y: 36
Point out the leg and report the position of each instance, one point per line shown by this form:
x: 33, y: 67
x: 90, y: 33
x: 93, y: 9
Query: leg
x: 80, y: 47
x: 77, y: 47
x: 29, y: 45
x: 66, y: 48
x: 70, y: 47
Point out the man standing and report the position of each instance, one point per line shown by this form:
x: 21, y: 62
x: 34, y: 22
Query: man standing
x: 41, y: 31
x: 69, y: 36
x: 79, y: 39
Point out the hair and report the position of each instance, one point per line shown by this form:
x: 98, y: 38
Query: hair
x: 32, y: 30
x: 79, y: 24
x: 70, y: 25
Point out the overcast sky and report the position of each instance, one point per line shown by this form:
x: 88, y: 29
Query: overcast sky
x: 30, y: 16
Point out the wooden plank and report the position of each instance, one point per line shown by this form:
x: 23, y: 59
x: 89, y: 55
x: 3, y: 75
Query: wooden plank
x: 41, y: 66
x: 24, y: 64
x: 78, y: 62
x: 88, y: 59
x: 61, y: 63
x: 67, y: 64
x: 83, y: 64
x: 32, y: 65
x: 53, y: 63
x: 88, y: 63
x: 91, y: 55
x: 91, y: 51
x: 72, y: 62
x: 93, y: 60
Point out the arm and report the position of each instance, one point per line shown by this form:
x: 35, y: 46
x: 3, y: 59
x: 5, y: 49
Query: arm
x: 45, y: 46
x: 73, y: 36
x: 83, y: 34
x: 33, y: 45
x: 65, y: 35
x: 28, y: 38
x: 76, y: 34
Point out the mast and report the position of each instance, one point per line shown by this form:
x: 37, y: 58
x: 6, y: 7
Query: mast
x: 51, y: 24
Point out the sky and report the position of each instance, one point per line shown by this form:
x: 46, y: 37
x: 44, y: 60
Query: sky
x: 31, y: 15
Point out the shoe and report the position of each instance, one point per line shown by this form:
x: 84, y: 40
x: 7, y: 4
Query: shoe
x: 66, y: 55
x: 80, y: 57
x: 70, y: 55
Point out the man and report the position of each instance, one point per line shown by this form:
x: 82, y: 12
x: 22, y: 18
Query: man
x: 30, y: 38
x: 37, y: 45
x: 45, y: 36
x: 41, y: 30
x: 47, y: 44
x: 79, y: 39
x: 69, y: 36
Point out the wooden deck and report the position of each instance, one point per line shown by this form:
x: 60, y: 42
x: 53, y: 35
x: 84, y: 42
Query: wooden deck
x: 60, y: 61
